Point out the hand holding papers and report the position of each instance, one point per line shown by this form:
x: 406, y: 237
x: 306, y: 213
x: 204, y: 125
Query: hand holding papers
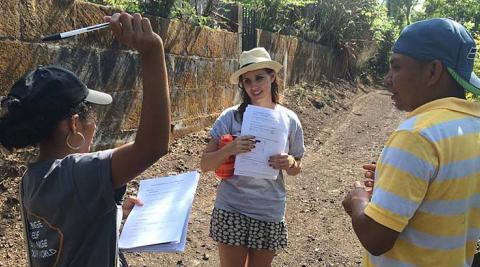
x: 160, y: 225
x: 270, y: 128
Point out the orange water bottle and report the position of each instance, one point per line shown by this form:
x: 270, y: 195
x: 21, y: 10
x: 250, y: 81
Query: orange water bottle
x: 225, y: 171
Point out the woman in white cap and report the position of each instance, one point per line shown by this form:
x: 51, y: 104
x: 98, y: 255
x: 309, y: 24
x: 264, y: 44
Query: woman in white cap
x: 69, y: 195
x: 248, y: 220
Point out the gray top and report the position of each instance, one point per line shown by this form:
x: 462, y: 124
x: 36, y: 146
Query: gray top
x: 261, y: 199
x: 70, y: 211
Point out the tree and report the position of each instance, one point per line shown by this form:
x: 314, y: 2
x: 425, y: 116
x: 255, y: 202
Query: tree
x: 130, y: 5
x: 401, y: 10
x: 283, y: 16
x: 466, y: 12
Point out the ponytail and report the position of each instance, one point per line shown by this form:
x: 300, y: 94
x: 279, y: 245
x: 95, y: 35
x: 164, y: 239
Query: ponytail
x: 19, y: 128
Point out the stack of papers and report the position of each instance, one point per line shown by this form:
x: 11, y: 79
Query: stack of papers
x: 161, y: 224
x: 271, y: 130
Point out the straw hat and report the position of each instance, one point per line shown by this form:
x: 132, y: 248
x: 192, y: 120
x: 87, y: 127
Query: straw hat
x: 255, y: 59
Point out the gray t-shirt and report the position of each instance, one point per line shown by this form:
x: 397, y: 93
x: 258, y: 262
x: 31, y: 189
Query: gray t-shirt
x: 261, y: 199
x: 70, y: 211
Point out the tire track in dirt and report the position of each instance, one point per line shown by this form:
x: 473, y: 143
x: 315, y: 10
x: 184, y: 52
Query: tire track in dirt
x: 320, y: 231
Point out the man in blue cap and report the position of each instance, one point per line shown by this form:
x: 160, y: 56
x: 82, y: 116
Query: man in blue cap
x: 425, y: 206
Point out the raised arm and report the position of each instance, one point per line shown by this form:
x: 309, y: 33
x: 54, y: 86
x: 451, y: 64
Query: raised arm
x: 152, y: 139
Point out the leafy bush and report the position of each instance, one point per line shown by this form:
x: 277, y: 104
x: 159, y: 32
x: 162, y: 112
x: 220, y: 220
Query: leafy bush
x: 181, y: 10
x: 187, y: 13
x: 466, y: 12
x: 386, y: 32
x: 129, y: 5
x: 282, y: 16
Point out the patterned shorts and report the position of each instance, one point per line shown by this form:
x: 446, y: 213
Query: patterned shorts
x: 232, y: 228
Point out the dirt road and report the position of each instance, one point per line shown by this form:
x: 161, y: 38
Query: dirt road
x: 340, y: 137
x: 344, y: 128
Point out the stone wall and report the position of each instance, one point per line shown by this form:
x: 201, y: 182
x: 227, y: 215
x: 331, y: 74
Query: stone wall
x: 310, y: 62
x: 302, y: 61
x: 199, y: 62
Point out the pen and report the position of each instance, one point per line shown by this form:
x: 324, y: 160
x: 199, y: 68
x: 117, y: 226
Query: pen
x: 64, y: 35
x: 256, y: 141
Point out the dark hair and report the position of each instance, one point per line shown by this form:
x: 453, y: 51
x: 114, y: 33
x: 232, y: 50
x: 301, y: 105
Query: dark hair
x: 20, y: 128
x: 246, y: 99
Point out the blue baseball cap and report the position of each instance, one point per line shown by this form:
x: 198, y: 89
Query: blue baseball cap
x: 445, y: 40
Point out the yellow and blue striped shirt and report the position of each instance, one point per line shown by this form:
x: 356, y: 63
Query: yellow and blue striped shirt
x: 427, y: 187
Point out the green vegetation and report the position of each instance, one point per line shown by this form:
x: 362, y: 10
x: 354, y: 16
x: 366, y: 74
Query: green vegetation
x: 400, y: 11
x: 173, y: 9
x: 346, y: 25
x: 466, y: 12
x: 130, y: 5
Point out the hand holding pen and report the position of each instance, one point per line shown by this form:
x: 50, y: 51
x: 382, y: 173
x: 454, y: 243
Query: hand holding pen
x: 241, y: 144
x: 134, y: 31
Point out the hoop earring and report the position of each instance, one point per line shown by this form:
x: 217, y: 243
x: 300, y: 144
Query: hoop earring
x: 67, y: 140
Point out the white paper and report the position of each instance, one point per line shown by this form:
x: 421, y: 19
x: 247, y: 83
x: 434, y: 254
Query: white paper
x: 161, y: 223
x: 270, y: 128
x: 165, y: 247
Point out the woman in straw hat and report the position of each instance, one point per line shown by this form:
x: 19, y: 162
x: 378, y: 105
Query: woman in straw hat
x: 248, y: 220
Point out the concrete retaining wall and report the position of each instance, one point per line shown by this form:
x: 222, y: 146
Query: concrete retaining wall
x: 199, y: 62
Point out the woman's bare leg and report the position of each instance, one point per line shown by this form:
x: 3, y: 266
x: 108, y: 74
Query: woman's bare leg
x: 232, y: 256
x: 260, y: 257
